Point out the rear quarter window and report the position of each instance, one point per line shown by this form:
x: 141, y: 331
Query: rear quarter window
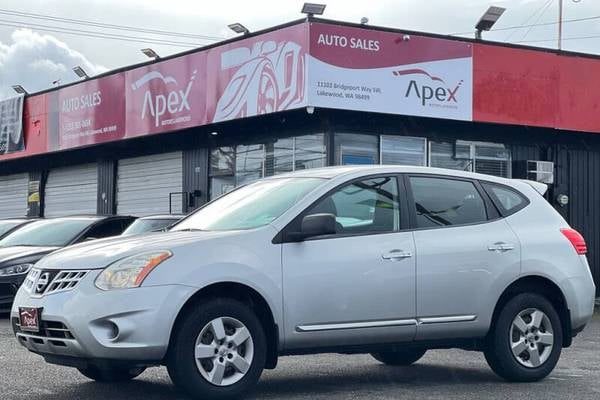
x: 507, y: 200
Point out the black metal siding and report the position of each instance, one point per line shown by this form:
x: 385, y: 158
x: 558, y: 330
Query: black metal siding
x: 584, y: 205
x: 195, y: 178
x: 107, y: 171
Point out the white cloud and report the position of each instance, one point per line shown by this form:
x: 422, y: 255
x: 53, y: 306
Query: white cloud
x: 34, y: 61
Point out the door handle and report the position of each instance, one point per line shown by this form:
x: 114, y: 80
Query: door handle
x: 396, y: 255
x: 501, y: 247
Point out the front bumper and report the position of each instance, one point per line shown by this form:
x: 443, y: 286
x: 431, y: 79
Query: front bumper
x: 8, y: 289
x: 87, y: 323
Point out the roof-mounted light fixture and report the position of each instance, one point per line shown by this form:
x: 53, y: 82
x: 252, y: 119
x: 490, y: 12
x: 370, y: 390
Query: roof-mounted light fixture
x: 239, y: 28
x: 80, y: 72
x: 311, y: 9
x: 488, y: 20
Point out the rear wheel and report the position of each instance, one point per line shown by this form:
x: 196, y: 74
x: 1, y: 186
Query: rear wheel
x: 526, y: 341
x: 399, y: 357
x: 111, y: 374
x: 219, y: 351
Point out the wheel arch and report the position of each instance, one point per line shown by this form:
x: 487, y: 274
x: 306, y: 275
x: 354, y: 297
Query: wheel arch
x: 545, y: 287
x: 245, y: 294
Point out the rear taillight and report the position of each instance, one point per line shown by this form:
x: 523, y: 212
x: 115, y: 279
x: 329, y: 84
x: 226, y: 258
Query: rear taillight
x: 576, y: 240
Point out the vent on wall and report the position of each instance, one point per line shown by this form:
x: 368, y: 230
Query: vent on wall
x: 539, y: 171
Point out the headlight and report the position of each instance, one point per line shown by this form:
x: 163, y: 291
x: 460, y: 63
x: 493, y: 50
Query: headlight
x: 19, y: 269
x: 130, y: 272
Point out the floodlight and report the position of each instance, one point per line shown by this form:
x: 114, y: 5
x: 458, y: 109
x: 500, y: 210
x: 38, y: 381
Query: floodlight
x: 311, y: 9
x: 150, y: 53
x: 80, y: 72
x: 238, y: 28
x: 488, y: 20
x: 19, y: 89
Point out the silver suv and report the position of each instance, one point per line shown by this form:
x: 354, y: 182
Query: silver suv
x: 392, y: 261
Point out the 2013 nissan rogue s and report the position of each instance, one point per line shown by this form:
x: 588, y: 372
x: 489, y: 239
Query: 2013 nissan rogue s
x: 392, y: 261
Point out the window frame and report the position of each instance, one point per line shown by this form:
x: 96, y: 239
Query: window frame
x: 403, y: 211
x: 487, y: 187
x: 492, y: 213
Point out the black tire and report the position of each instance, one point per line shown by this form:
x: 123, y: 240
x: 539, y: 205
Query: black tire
x: 181, y: 363
x: 498, y: 351
x: 399, y: 357
x: 111, y: 374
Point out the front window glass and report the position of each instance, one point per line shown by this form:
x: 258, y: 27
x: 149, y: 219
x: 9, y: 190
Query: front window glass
x: 250, y: 206
x: 363, y: 207
x: 147, y: 225
x: 442, y: 202
x: 52, y: 232
x: 6, y: 226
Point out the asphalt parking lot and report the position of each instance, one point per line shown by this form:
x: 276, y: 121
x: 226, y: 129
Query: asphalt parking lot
x: 442, y: 374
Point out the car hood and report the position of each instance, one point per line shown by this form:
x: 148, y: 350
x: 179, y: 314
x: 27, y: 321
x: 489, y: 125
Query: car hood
x: 12, y: 253
x: 98, y: 254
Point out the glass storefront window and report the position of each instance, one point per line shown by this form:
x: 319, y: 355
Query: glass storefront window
x: 242, y: 164
x: 356, y: 149
x: 482, y: 157
x: 403, y: 150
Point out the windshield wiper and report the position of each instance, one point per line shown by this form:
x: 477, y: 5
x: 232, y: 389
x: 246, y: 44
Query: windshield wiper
x: 187, y: 230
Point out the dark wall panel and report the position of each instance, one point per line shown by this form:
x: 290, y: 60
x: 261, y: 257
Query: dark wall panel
x: 584, y: 205
x: 195, y: 178
x: 107, y: 177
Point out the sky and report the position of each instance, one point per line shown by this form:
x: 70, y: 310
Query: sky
x: 37, y: 56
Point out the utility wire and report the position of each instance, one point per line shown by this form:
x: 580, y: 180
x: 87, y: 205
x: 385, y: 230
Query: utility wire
x: 554, y: 40
x: 513, y: 31
x: 78, y: 32
x: 544, y: 9
x: 529, y: 25
x: 110, y: 26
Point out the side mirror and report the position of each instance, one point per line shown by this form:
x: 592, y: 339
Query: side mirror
x: 315, y: 225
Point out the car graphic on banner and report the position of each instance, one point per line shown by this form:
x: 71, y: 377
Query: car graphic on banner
x: 269, y: 78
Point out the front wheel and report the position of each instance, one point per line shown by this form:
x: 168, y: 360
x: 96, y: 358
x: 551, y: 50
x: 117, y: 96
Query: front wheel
x: 219, y: 351
x: 526, y: 340
x: 399, y: 357
x: 111, y: 374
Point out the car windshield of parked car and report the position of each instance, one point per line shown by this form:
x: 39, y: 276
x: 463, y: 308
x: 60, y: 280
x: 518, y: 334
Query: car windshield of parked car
x: 59, y: 232
x: 6, y: 226
x: 250, y: 206
x: 147, y: 225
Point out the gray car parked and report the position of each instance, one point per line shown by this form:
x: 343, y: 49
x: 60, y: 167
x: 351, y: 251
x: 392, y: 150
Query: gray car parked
x: 391, y: 261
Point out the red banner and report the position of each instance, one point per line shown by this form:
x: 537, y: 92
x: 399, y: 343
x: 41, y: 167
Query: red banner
x: 91, y: 112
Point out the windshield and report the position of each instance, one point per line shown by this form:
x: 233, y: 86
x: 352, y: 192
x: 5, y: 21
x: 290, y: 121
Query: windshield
x: 250, y: 206
x: 147, y: 225
x: 52, y: 232
x: 6, y: 226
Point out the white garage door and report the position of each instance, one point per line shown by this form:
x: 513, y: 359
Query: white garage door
x: 71, y: 191
x: 145, y: 183
x: 13, y: 195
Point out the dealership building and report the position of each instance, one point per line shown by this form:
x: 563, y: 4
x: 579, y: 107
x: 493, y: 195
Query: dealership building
x: 170, y: 134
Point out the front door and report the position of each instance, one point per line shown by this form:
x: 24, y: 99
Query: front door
x: 358, y: 285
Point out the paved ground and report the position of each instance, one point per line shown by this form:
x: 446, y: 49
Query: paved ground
x: 440, y: 374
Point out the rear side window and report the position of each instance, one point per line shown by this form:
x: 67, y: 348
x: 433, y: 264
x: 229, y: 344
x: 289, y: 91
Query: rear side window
x: 446, y: 202
x: 507, y: 200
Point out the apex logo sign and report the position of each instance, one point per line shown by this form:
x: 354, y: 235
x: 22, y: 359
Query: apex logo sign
x: 438, y: 92
x: 174, y: 101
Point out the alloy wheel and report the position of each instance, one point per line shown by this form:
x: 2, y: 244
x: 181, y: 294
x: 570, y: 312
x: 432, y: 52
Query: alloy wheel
x: 224, y: 351
x: 531, y: 338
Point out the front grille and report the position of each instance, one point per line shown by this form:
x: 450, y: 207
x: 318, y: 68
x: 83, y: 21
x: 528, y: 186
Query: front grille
x: 65, y: 280
x: 48, y: 330
x: 43, y: 282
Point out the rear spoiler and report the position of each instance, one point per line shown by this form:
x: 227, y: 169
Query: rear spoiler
x: 539, y: 187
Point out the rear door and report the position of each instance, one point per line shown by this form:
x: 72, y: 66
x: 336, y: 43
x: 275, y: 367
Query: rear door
x: 466, y: 255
